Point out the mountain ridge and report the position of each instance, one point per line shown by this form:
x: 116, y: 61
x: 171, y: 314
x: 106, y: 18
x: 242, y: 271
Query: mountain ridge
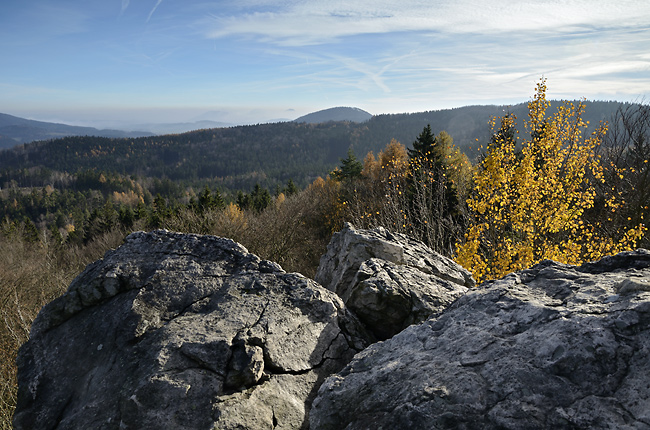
x: 16, y: 130
x: 340, y: 113
x: 268, y: 154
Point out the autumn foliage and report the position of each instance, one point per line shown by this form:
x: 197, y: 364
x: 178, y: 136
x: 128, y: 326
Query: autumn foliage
x: 418, y: 192
x: 530, y: 197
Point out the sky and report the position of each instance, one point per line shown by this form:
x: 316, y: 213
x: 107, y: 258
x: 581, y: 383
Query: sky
x: 119, y: 62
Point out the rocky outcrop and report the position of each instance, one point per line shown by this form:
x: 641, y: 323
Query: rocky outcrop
x: 552, y: 347
x: 185, y: 331
x: 182, y: 331
x: 389, y: 280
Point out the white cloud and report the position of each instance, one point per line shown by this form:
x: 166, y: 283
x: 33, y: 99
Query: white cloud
x: 125, y: 5
x: 314, y: 21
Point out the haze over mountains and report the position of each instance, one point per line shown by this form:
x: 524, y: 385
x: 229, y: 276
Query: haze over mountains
x: 465, y: 124
x: 336, y: 114
x: 15, y: 130
x: 271, y: 153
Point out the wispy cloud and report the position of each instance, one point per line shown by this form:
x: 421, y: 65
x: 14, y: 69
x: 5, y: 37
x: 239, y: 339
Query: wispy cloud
x: 314, y: 22
x: 380, y: 55
x: 154, y: 9
x: 125, y: 5
x: 366, y: 73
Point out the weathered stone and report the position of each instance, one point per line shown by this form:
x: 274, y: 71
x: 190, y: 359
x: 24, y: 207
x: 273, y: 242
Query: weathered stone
x: 182, y: 331
x: 554, y: 346
x: 389, y: 280
x: 187, y: 331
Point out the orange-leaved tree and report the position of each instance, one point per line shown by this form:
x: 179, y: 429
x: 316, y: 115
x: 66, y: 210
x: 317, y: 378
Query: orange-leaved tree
x: 529, y: 200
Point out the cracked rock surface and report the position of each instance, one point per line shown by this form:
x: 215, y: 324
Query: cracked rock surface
x: 389, y: 280
x: 554, y: 346
x: 182, y: 331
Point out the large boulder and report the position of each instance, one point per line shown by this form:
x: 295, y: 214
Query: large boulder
x: 389, y: 280
x: 554, y: 346
x: 182, y: 331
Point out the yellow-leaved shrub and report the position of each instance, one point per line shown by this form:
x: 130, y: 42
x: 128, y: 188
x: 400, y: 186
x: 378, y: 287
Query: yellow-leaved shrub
x: 529, y: 198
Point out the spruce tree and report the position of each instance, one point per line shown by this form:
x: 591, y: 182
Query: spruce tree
x: 433, y: 198
x: 350, y: 168
x: 291, y: 188
x: 425, y: 148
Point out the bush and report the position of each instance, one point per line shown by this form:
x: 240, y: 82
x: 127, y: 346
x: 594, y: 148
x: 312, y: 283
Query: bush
x: 531, y: 204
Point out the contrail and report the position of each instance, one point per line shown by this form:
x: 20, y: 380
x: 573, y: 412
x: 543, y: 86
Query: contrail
x: 154, y: 9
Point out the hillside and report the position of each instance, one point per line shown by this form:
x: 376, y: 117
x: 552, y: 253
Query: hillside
x: 15, y: 130
x: 233, y: 158
x: 335, y: 114
x: 268, y: 154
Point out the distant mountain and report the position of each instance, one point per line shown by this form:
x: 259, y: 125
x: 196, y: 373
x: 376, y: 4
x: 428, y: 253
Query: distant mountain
x: 336, y: 114
x: 15, y: 130
x: 269, y: 154
x: 181, y: 127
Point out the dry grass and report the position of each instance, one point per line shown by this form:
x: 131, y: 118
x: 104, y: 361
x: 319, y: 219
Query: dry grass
x: 31, y: 275
x: 293, y: 232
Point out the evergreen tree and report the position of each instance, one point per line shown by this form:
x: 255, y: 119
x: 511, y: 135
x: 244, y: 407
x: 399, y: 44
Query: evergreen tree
x: 506, y: 133
x: 243, y: 200
x: 126, y: 216
x: 291, y: 188
x: 30, y: 232
x: 433, y: 197
x: 160, y: 212
x: 426, y: 150
x: 210, y: 201
x: 350, y: 168
x: 140, y: 211
x: 260, y: 198
x: 57, y: 239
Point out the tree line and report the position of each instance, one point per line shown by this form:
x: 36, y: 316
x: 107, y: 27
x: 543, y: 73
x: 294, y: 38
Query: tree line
x: 555, y: 192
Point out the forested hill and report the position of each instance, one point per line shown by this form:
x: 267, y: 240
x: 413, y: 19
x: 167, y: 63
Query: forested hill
x: 15, y: 130
x: 233, y: 158
x: 268, y: 154
x: 336, y: 114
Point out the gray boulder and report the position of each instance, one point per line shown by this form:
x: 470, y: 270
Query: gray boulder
x: 389, y: 280
x: 552, y: 347
x: 182, y: 331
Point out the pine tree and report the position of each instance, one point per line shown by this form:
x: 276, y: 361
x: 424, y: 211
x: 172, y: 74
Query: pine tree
x: 260, y: 198
x: 243, y: 200
x: 434, y: 200
x: 209, y: 200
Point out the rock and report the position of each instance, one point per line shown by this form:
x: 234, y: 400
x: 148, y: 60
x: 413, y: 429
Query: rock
x: 554, y: 346
x: 389, y: 280
x: 185, y: 332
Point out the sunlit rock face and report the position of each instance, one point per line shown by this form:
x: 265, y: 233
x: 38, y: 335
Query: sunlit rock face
x: 552, y: 347
x: 182, y: 331
x: 389, y: 280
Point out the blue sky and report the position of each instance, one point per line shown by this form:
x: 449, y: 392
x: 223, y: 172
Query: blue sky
x: 112, y: 62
